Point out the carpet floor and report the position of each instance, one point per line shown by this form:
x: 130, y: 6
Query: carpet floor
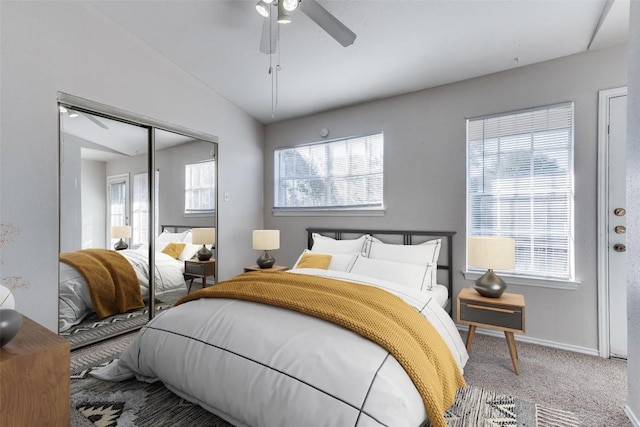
x: 586, y: 396
x: 593, y: 388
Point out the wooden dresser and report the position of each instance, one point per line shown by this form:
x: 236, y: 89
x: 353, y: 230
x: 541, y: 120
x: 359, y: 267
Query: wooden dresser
x: 34, y: 378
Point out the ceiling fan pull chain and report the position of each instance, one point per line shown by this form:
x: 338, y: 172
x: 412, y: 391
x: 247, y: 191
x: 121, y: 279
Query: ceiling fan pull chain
x: 273, y: 111
x: 278, y: 68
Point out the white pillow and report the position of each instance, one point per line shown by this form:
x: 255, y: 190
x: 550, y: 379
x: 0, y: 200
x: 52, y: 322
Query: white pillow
x: 426, y: 253
x: 327, y: 245
x: 339, y: 262
x: 165, y: 236
x: 188, y: 238
x: 411, y: 275
x: 189, y: 251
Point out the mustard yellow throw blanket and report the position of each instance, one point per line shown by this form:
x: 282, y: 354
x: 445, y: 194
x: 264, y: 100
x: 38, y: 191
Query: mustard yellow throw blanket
x: 111, y: 279
x: 371, y: 312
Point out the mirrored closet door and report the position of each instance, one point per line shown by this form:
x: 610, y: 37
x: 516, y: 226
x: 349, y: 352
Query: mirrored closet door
x: 138, y: 208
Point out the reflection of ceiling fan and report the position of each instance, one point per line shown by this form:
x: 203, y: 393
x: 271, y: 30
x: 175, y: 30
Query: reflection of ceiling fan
x: 312, y: 9
x: 75, y: 113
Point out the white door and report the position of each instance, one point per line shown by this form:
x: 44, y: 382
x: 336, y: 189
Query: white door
x: 617, y: 271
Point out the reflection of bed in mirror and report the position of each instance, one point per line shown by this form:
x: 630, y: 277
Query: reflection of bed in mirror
x: 106, y: 159
x: 83, y: 303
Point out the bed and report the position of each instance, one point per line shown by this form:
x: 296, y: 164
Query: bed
x: 283, y: 363
x: 172, y: 246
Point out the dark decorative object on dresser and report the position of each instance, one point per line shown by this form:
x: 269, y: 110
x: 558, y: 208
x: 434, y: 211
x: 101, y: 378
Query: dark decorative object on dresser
x: 10, y: 323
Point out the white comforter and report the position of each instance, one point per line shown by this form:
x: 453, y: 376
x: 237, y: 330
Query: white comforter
x: 74, y: 300
x: 257, y: 365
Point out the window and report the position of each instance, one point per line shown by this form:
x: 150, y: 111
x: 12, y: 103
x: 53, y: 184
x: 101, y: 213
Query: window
x: 118, y: 202
x: 520, y: 185
x: 199, y: 187
x: 340, y: 174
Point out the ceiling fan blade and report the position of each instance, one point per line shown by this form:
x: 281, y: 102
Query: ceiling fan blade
x: 328, y: 22
x: 93, y: 119
x: 269, y: 33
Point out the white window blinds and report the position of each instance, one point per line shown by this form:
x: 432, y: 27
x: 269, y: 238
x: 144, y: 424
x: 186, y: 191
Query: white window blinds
x: 199, y: 187
x: 341, y: 174
x: 520, y: 185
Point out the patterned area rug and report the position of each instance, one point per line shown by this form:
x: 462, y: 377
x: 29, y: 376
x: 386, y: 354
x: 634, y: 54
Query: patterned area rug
x: 132, y: 403
x: 92, y: 330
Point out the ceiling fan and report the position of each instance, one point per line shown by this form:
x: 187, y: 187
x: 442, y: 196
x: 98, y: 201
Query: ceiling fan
x: 74, y: 113
x: 318, y: 14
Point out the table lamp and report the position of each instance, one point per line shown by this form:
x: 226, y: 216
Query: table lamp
x: 120, y: 232
x: 266, y: 240
x: 204, y: 236
x: 491, y: 253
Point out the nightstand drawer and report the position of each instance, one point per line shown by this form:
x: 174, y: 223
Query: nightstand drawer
x: 194, y: 268
x: 491, y: 314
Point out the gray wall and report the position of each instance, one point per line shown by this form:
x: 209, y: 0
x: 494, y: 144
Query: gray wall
x: 425, y: 171
x: 71, y: 47
x: 633, y: 200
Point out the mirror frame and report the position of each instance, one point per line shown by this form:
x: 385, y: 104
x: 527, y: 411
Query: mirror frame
x: 103, y: 110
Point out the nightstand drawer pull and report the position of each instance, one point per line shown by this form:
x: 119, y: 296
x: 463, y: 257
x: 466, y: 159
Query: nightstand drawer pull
x: 483, y: 307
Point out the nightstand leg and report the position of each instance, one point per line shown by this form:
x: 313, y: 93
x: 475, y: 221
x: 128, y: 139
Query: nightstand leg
x: 513, y: 351
x: 470, y: 335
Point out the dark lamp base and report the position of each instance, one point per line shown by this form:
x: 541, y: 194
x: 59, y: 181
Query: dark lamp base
x: 489, y: 285
x: 265, y: 260
x: 204, y: 254
x: 120, y: 245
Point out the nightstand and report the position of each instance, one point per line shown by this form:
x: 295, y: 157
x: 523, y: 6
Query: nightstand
x: 504, y: 314
x: 273, y: 268
x: 194, y: 269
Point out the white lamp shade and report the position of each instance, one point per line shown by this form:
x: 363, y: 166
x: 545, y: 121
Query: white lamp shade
x: 496, y: 253
x: 203, y: 236
x: 121, y: 231
x: 266, y: 239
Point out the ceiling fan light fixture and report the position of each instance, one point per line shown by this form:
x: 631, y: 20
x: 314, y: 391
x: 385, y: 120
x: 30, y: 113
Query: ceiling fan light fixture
x: 263, y: 7
x: 290, y: 5
x: 283, y: 14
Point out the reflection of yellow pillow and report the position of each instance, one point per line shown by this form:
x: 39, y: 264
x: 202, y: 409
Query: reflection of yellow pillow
x: 309, y: 260
x: 174, y: 249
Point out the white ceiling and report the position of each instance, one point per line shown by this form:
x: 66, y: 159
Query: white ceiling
x: 401, y: 46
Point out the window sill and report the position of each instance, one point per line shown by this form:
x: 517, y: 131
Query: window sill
x: 565, y: 285
x: 328, y: 212
x: 199, y: 214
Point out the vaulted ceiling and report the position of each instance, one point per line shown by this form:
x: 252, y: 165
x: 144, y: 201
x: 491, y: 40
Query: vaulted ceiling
x: 401, y: 46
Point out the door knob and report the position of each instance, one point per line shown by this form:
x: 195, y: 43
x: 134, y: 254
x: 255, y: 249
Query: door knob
x: 620, y: 229
x: 619, y: 212
x: 619, y: 247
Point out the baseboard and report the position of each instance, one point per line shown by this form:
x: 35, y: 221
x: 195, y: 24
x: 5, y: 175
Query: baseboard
x: 634, y: 420
x: 538, y: 341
